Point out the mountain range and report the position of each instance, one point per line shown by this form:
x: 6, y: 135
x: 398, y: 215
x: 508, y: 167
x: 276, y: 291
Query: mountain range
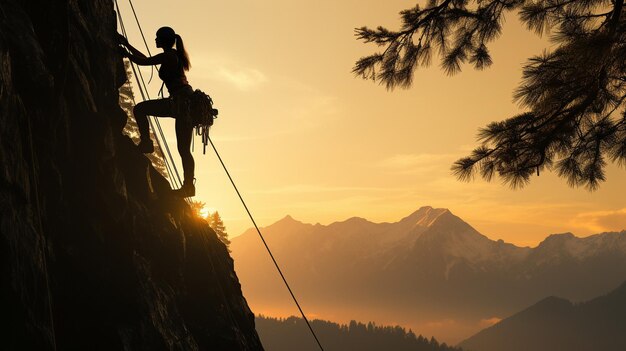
x: 430, y: 271
x: 558, y: 324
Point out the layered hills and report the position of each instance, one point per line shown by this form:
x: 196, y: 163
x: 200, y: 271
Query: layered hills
x: 558, y: 324
x: 430, y: 271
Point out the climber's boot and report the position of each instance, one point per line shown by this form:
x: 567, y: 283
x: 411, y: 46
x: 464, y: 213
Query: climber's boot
x: 187, y: 190
x: 146, y: 146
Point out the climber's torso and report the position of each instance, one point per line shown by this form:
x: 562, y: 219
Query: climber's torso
x: 172, y: 73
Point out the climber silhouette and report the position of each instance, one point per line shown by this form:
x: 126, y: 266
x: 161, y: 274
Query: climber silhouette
x: 174, y: 62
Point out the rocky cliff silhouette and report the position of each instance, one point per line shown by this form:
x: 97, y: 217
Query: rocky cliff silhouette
x: 94, y: 254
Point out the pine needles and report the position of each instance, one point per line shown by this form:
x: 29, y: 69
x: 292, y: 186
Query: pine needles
x: 576, y: 120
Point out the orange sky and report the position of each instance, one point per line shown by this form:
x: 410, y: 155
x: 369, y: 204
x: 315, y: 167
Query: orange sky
x: 302, y: 136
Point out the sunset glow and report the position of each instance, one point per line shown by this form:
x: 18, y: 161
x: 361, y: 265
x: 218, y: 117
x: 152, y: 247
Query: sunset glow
x: 206, y: 211
x: 356, y: 175
x: 302, y: 136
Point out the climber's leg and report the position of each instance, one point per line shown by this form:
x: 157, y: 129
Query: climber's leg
x: 158, y: 108
x: 184, y: 134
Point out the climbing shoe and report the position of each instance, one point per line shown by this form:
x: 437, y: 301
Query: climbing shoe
x: 187, y: 190
x: 146, y: 146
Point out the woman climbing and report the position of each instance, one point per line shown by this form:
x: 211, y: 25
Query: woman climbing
x: 174, y: 62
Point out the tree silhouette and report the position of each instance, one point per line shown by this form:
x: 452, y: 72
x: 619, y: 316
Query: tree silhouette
x: 215, y: 221
x: 282, y: 334
x: 574, y: 95
x: 197, y: 207
x: 127, y: 102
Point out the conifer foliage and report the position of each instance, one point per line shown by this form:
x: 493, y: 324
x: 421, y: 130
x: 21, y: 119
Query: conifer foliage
x: 216, y: 223
x: 574, y: 95
x: 290, y: 333
x: 213, y: 219
x: 198, y: 208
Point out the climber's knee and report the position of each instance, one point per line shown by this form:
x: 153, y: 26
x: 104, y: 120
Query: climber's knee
x: 184, y: 151
x: 139, y: 109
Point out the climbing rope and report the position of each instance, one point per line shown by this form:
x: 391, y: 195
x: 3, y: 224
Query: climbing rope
x: 169, y: 162
x: 206, y: 137
x: 265, y: 243
x: 142, y: 86
x: 156, y: 120
x: 144, y: 43
x: 160, y: 137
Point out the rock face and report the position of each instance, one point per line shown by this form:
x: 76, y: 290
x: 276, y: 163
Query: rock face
x: 94, y: 253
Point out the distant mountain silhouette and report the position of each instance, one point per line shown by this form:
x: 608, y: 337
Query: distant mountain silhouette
x: 288, y: 334
x: 558, y: 324
x: 430, y: 271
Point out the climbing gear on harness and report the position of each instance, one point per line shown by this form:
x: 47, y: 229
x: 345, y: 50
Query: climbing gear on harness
x: 197, y: 108
x: 202, y: 109
x: 204, y: 114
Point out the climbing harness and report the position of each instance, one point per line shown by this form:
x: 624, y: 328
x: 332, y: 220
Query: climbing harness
x: 204, y: 114
x: 197, y: 107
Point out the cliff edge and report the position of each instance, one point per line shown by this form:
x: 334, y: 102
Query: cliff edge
x: 94, y: 253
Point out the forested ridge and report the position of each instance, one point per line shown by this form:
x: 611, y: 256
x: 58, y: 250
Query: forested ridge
x: 283, y: 334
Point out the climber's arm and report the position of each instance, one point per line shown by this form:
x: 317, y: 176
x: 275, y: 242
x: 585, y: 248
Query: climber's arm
x: 146, y: 61
x: 137, y: 56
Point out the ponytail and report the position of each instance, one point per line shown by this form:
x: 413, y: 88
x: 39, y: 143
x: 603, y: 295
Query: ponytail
x: 182, y: 53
